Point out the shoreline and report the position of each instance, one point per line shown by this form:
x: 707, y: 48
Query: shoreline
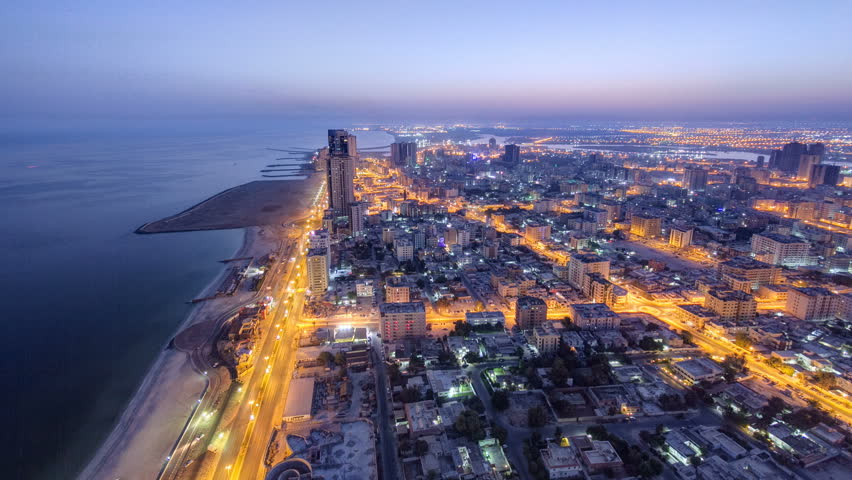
x: 170, y: 367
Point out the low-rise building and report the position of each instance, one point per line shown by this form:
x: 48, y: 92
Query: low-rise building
x: 299, y: 400
x: 423, y: 419
x: 485, y: 318
x: 546, y: 339
x: 593, y: 316
x: 694, y: 315
x: 731, y: 304
x: 697, y: 370
x: 561, y: 461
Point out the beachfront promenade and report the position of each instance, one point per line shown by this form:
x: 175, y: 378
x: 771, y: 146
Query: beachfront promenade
x: 174, y: 415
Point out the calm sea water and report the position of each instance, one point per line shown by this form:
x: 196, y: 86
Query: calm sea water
x: 88, y: 304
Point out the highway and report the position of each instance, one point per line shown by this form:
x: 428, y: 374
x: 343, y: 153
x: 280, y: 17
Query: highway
x: 204, y: 417
x: 265, y: 392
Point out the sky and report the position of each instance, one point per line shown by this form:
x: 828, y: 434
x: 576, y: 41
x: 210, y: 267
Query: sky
x: 416, y: 60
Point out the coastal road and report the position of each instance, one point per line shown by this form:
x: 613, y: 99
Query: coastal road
x: 201, y: 423
x: 265, y: 391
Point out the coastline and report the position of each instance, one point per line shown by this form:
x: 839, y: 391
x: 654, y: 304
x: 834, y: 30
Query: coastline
x: 155, y: 415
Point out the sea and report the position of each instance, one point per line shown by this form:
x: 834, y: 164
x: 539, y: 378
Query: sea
x: 87, y: 303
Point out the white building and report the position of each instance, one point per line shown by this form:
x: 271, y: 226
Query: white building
x: 546, y: 339
x: 698, y: 369
x: 781, y: 249
x: 582, y: 264
x: 680, y: 237
x: 364, y: 288
x: 404, y: 249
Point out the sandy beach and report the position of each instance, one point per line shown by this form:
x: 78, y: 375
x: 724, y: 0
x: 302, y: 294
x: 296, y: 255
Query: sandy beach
x: 155, y: 416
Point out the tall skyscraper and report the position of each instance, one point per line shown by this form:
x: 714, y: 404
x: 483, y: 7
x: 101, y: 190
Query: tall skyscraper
x: 791, y: 153
x: 695, y: 179
x: 824, y: 174
x: 404, y: 154
x: 806, y: 164
x: 341, y: 171
x: 512, y: 155
x: 760, y: 161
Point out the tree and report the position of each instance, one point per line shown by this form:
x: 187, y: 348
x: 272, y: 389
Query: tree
x: 742, y: 340
x: 479, y: 306
x: 500, y: 433
x: 351, y: 295
x: 686, y: 336
x: 782, y: 367
x: 416, y: 362
x: 394, y: 374
x: 500, y: 400
x: 325, y: 359
x: 649, y: 343
x: 442, y: 304
x: 409, y: 395
x: 536, y: 417
x: 462, y: 329
x: 445, y: 357
x: 340, y: 359
x: 421, y: 447
x: 559, y: 373
x: 732, y: 366
x: 468, y: 424
x: 826, y: 380
x: 472, y: 357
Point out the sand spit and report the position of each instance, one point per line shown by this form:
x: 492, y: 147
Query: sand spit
x: 263, y: 202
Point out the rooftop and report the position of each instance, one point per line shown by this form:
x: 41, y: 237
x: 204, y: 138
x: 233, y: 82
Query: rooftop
x: 300, y: 397
x: 699, y: 367
x: 730, y: 295
x: 588, y: 258
x: 777, y: 237
x: 485, y: 316
x: 697, y: 310
x: 814, y: 291
x: 746, y: 263
x: 407, y: 307
x: 590, y: 310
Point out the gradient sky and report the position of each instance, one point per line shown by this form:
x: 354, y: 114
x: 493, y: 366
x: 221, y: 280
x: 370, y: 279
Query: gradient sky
x: 418, y: 60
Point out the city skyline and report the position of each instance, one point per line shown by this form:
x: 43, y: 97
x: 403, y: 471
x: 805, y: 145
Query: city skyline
x: 475, y: 62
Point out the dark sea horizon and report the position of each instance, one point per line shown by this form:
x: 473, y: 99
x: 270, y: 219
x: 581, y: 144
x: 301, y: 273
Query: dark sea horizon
x: 88, y: 303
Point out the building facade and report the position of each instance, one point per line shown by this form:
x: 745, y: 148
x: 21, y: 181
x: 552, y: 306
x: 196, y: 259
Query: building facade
x: 402, y: 320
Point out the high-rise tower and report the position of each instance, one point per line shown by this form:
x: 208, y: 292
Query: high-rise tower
x: 404, y: 154
x: 341, y: 171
